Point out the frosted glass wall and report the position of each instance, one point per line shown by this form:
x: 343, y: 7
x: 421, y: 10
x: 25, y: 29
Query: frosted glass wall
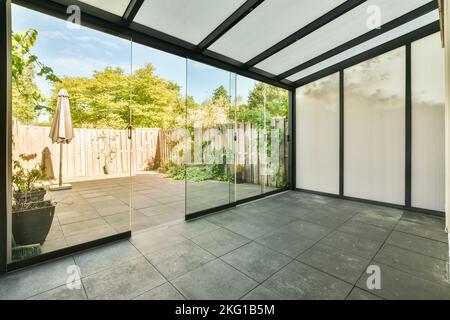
x: 318, y: 135
x: 375, y: 129
x: 428, y: 124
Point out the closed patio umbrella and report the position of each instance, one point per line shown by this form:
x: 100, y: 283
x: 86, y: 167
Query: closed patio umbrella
x: 61, y: 131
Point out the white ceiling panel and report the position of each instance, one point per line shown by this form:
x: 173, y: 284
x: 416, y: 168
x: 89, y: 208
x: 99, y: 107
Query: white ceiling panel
x: 117, y: 7
x: 375, y: 42
x: 269, y: 23
x: 189, y: 20
x: 345, y: 28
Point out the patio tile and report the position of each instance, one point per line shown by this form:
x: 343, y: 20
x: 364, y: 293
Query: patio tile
x: 250, y: 229
x: 417, y: 264
x: 399, y: 285
x: 220, y: 241
x: 418, y: 228
x: 261, y: 293
x: 256, y: 261
x: 163, y: 292
x: 358, y: 294
x: 108, y: 256
x: 155, y: 239
x: 225, y: 218
x: 83, y: 227
x: 307, y: 230
x: 323, y: 219
x: 358, y: 246
x: 205, y: 284
x: 193, y: 228
x: 375, y: 218
x: 179, y: 259
x: 338, y: 263
x: 62, y: 293
x: 125, y: 281
x: 365, y: 230
x: 418, y: 244
x: 77, y: 216
x: 109, y: 211
x: 297, y: 281
x: 286, y: 243
x: 37, y: 279
x: 90, y: 235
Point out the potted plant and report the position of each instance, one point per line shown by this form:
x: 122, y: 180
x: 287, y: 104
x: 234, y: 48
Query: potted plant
x: 108, y: 151
x: 32, y: 216
x: 240, y: 174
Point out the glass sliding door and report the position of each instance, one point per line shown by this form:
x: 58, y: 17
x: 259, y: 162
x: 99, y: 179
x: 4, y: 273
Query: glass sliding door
x: 210, y: 117
x: 70, y: 146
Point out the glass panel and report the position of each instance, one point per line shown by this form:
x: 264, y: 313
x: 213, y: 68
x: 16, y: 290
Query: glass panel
x: 345, y: 28
x: 191, y: 21
x: 373, y: 43
x: 269, y: 23
x: 94, y: 69
x: 375, y: 129
x: 318, y: 135
x: 210, y: 122
x: 158, y: 119
x: 428, y: 124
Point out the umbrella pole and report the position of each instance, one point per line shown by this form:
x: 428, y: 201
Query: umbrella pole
x: 60, y: 163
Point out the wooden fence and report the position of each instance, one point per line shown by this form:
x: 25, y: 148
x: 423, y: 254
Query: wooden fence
x: 87, y: 153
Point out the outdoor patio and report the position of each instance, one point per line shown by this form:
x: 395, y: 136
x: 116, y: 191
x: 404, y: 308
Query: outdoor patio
x: 97, y: 208
x: 289, y: 246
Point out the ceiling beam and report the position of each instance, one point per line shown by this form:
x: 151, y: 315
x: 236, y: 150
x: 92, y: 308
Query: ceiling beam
x: 429, y: 7
x: 132, y: 11
x: 229, y: 23
x: 101, y: 22
x: 372, y: 53
x: 303, y: 32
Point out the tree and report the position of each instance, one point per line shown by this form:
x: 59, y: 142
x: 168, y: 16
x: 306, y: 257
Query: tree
x: 27, y: 99
x: 110, y: 97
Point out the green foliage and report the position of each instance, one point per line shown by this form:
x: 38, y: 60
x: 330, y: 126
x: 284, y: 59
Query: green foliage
x: 27, y: 180
x: 28, y: 100
x: 199, y: 173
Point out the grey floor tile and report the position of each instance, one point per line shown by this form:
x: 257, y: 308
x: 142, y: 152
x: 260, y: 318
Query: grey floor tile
x: 63, y: 293
x: 399, y: 285
x: 358, y: 246
x: 365, y: 230
x: 108, y: 256
x: 179, y: 259
x: 417, y: 264
x: 155, y: 239
x: 256, y: 261
x: 225, y: 218
x: 125, y: 281
x: 418, y: 228
x: 261, y: 293
x: 375, y: 218
x: 286, y: 243
x: 297, y: 281
x: 163, y: 292
x: 204, y: 282
x: 220, y: 241
x: 418, y: 244
x: 323, y: 219
x: 190, y: 229
x: 38, y: 279
x: 358, y: 294
x: 250, y: 229
x: 307, y: 230
x: 333, y: 261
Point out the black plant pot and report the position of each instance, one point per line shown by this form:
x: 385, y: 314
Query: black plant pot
x: 32, y: 196
x: 33, y: 225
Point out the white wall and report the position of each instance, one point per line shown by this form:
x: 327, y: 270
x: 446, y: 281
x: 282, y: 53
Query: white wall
x: 317, y: 118
x: 375, y: 129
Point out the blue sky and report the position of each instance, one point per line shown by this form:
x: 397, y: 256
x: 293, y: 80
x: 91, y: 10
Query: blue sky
x: 79, y: 52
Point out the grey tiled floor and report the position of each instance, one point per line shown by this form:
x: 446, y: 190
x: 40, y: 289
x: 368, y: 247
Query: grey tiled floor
x: 290, y: 246
x: 98, y: 208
